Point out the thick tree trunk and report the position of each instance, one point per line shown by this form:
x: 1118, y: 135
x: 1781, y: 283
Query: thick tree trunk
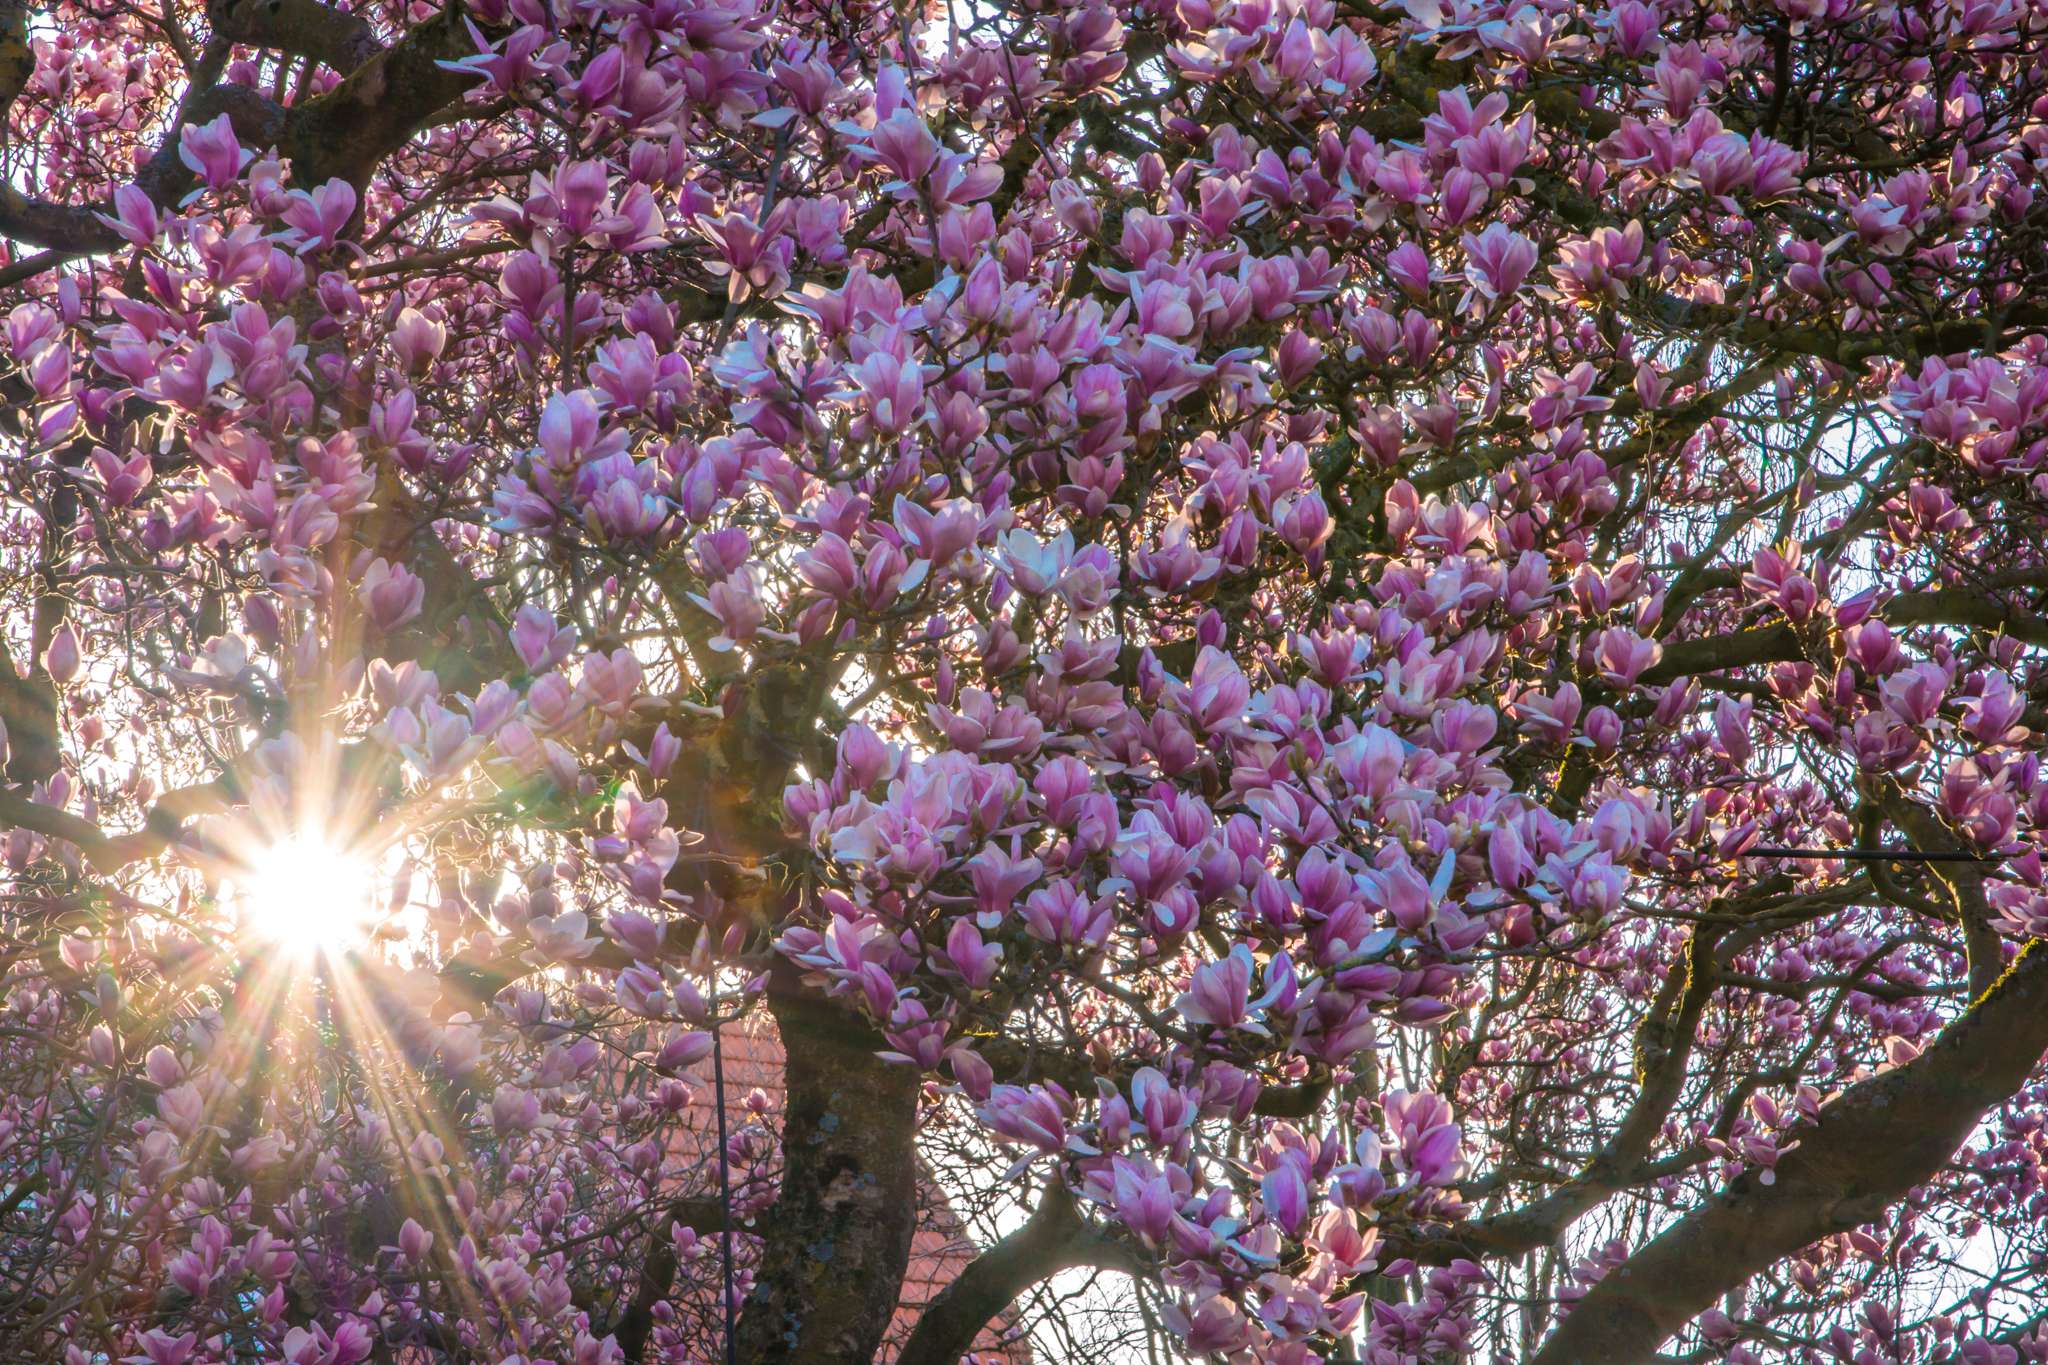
x: 838, y: 1239
x: 1876, y: 1140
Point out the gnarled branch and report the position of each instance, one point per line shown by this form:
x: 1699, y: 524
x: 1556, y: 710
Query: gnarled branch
x: 304, y: 28
x: 1874, y: 1142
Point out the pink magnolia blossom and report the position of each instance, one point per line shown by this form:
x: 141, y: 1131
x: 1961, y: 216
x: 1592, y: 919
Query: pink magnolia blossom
x: 1375, y: 641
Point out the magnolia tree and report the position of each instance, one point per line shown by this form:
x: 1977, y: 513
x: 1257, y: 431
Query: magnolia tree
x: 1381, y: 667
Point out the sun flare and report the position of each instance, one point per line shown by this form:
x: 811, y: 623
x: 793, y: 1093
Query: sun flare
x: 308, y: 897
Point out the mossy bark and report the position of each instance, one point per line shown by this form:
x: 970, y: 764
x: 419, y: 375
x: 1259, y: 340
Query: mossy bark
x: 838, y: 1240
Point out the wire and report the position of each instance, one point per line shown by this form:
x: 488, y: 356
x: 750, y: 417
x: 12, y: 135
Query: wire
x: 1888, y: 855
x: 724, y: 1171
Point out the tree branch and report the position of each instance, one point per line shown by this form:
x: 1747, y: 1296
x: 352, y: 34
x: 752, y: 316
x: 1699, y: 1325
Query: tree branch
x: 75, y: 229
x: 1055, y: 1238
x: 658, y: 1271
x: 304, y: 28
x: 389, y: 94
x: 350, y: 129
x: 1983, y: 947
x: 1874, y: 1142
x: 1664, y: 1044
x: 1780, y: 642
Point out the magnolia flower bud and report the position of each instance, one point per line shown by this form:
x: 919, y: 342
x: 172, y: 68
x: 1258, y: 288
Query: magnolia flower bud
x: 61, y: 659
